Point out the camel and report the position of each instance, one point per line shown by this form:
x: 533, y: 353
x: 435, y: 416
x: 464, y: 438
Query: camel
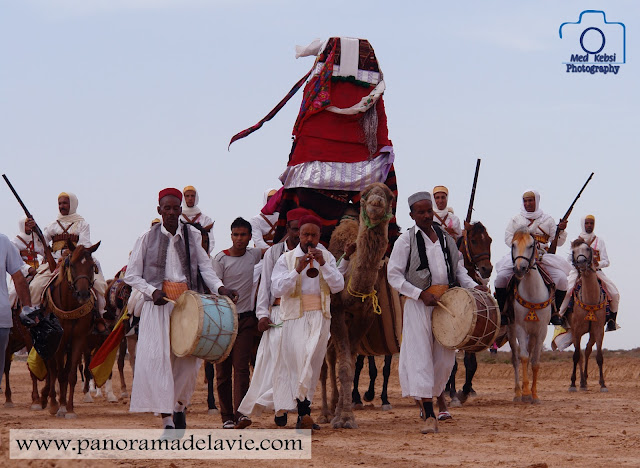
x: 589, y: 313
x: 353, y: 309
x: 532, y: 309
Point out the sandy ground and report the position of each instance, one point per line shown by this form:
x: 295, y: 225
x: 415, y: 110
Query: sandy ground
x: 586, y: 429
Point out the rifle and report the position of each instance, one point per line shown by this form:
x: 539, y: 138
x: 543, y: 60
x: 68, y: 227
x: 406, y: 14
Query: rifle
x: 554, y: 243
x: 36, y: 229
x: 473, y: 192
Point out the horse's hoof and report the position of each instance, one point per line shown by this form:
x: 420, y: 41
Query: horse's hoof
x: 112, y: 398
x: 124, y: 394
x: 213, y: 411
x: 62, y: 411
x: 573, y: 389
x: 455, y: 402
x: 36, y: 407
x: 535, y: 401
x: 87, y: 398
x: 604, y: 389
x: 98, y: 392
x: 357, y: 406
x: 583, y: 389
x: 527, y: 399
x: 70, y: 416
x: 323, y: 419
x: 53, y: 410
x: 387, y: 407
x: 461, y: 397
x: 517, y: 399
x: 8, y: 404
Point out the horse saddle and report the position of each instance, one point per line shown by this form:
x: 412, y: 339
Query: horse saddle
x: 513, y: 285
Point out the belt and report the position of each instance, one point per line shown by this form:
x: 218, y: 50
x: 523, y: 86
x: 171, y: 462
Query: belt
x: 248, y: 313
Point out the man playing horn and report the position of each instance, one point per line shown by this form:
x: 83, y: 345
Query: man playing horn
x: 191, y: 214
x: 443, y: 214
x: 72, y: 228
x: 600, y: 260
x: 159, y: 268
x: 304, y: 279
x: 543, y: 229
x: 424, y: 262
x: 260, y: 394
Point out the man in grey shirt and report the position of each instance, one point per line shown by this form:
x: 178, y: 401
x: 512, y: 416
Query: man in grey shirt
x: 10, y: 262
x: 235, y: 267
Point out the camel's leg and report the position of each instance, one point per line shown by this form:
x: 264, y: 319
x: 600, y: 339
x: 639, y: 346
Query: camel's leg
x: 587, y: 354
x: 132, y: 342
x: 121, y: 355
x: 373, y: 375
x: 386, y: 372
x: 355, y: 395
x: 526, y: 391
x: 7, y: 391
x: 344, y: 415
x: 331, y: 367
x: 76, y: 356
x: 325, y: 415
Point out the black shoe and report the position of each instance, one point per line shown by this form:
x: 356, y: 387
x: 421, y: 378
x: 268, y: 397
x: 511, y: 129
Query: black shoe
x: 611, y: 325
x: 555, y: 320
x: 243, y: 422
x: 180, y: 419
x: 281, y: 421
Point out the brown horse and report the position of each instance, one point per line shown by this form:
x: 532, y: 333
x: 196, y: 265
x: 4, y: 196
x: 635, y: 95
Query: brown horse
x: 70, y: 298
x: 475, y: 247
x: 19, y: 338
x: 589, y: 313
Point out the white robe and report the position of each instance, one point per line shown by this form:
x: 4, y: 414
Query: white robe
x: 425, y: 365
x: 451, y: 221
x: 162, y: 379
x: 303, y: 343
x: 260, y: 227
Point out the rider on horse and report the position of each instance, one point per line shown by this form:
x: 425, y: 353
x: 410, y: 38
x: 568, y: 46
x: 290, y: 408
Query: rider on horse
x: 30, y: 249
x: 191, y: 214
x: 601, y: 260
x: 543, y: 228
x: 443, y: 214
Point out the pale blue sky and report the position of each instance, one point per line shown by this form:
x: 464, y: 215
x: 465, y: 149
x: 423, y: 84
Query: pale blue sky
x: 114, y: 100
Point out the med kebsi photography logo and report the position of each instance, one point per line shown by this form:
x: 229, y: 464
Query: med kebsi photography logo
x: 593, y: 45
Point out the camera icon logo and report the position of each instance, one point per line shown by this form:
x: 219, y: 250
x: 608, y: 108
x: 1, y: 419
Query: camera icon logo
x: 593, y: 45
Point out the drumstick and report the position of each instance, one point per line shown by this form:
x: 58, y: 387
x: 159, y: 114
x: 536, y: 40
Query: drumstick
x: 170, y: 300
x: 447, y: 309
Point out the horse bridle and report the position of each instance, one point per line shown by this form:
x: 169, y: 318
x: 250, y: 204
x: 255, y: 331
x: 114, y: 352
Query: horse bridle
x: 589, y: 258
x: 71, y: 280
x: 467, y: 251
x: 530, y: 260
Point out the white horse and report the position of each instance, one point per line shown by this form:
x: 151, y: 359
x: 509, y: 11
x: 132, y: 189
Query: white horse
x: 532, y: 309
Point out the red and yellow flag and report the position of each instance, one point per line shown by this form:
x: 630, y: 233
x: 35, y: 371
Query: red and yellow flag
x: 103, y: 360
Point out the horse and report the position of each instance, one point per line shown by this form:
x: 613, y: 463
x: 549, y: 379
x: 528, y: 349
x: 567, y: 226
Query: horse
x: 532, y: 304
x: 373, y: 374
x: 71, y: 299
x: 589, y: 313
x: 19, y: 338
x: 475, y: 247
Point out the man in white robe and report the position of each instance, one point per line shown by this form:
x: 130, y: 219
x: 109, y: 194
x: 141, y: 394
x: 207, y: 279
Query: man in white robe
x: 191, y: 213
x: 306, y: 319
x: 260, y: 394
x: 164, y: 383
x: 443, y: 214
x: 31, y: 250
x: 422, y: 257
x: 263, y: 226
x: 601, y: 259
x: 69, y: 227
x: 543, y: 229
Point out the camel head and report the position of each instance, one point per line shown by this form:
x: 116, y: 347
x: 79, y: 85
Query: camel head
x: 376, y: 204
x: 523, y: 252
x: 581, y: 255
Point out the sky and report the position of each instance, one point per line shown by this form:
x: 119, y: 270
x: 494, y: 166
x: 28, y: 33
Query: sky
x: 114, y: 100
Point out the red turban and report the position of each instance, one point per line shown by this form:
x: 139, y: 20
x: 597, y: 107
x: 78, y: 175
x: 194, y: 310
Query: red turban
x: 170, y: 191
x: 310, y: 219
x: 296, y: 214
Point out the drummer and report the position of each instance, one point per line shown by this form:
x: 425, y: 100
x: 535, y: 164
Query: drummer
x: 164, y: 383
x: 423, y: 256
x: 235, y: 267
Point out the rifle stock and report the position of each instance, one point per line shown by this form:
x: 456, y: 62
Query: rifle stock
x: 554, y: 243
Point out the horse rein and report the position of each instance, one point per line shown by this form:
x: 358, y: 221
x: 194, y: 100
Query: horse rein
x: 473, y: 258
x: 71, y: 281
x: 530, y: 260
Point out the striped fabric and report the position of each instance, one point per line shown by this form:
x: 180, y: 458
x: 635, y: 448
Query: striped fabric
x: 173, y: 290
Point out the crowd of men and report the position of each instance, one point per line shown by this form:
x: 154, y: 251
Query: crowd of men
x: 274, y: 295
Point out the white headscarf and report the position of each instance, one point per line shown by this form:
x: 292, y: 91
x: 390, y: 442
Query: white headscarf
x: 21, y: 230
x: 447, y: 209
x: 72, y: 217
x: 534, y: 214
x: 265, y: 196
x: 588, y: 238
x: 194, y: 210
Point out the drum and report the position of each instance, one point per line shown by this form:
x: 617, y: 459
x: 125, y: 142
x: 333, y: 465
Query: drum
x: 204, y: 326
x: 470, y: 322
x: 385, y: 334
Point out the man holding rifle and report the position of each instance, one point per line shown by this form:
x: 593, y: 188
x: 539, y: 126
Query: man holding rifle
x: 543, y: 229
